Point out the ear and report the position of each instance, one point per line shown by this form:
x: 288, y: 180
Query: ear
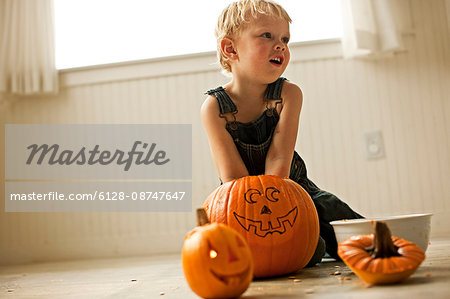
x: 227, y: 47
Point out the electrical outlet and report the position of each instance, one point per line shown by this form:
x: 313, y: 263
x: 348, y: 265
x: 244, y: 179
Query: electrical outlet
x: 374, y: 145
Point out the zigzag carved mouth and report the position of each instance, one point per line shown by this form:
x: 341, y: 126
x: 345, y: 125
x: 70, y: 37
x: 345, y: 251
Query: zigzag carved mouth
x: 279, y: 225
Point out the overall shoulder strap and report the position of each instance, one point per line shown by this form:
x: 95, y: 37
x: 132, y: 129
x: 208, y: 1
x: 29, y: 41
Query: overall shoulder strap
x: 225, y: 103
x: 273, y: 91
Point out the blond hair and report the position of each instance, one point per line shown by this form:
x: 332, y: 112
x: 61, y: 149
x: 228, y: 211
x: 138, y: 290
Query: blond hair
x: 236, y: 15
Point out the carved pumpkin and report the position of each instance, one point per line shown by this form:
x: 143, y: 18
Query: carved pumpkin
x: 216, y: 260
x: 381, y: 258
x: 275, y: 215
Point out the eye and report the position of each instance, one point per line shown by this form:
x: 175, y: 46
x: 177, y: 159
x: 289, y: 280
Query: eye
x: 212, y: 252
x: 270, y: 194
x: 249, y: 194
x: 267, y: 35
x: 239, y: 242
x: 285, y: 40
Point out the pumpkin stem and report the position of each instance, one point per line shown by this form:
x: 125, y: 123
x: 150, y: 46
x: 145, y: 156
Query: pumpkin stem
x: 384, y: 247
x: 202, y: 218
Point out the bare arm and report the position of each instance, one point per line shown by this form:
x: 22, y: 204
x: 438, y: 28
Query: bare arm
x: 281, y: 151
x: 226, y: 157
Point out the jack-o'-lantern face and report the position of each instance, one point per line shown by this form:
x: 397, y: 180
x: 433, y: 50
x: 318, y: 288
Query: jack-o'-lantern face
x: 217, y: 259
x: 276, y: 217
x: 268, y: 218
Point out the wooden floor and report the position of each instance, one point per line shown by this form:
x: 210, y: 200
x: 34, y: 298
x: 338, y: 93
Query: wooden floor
x: 162, y: 277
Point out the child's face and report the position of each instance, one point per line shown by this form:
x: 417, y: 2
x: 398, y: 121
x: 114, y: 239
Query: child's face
x: 262, y: 49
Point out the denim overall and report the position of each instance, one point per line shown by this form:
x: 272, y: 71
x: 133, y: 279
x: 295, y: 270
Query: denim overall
x: 253, y: 140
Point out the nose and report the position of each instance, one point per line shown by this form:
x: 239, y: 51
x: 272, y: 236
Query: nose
x: 280, y: 46
x: 265, y: 210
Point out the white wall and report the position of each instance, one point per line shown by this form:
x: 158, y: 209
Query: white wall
x: 407, y: 97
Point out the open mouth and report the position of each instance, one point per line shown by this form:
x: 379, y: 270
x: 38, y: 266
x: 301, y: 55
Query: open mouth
x: 275, y: 225
x: 232, y: 279
x: 277, y: 60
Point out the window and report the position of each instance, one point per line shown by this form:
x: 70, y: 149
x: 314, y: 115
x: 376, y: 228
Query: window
x: 91, y: 32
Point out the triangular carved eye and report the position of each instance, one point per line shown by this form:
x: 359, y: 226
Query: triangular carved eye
x: 239, y: 242
x: 231, y: 256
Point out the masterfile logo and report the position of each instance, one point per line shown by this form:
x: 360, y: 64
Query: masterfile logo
x: 98, y: 168
x: 162, y: 151
x: 53, y: 155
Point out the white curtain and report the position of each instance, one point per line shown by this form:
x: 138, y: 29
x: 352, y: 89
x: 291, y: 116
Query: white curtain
x: 27, y: 55
x: 373, y: 28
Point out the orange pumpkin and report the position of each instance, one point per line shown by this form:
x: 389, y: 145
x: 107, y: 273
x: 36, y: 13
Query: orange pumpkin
x: 275, y: 215
x: 381, y: 258
x: 216, y: 260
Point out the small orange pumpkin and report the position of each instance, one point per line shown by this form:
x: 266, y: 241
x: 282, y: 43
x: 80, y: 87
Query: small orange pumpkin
x: 381, y: 258
x: 275, y: 215
x: 216, y: 260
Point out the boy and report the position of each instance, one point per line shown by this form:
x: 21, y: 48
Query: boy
x: 252, y: 121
